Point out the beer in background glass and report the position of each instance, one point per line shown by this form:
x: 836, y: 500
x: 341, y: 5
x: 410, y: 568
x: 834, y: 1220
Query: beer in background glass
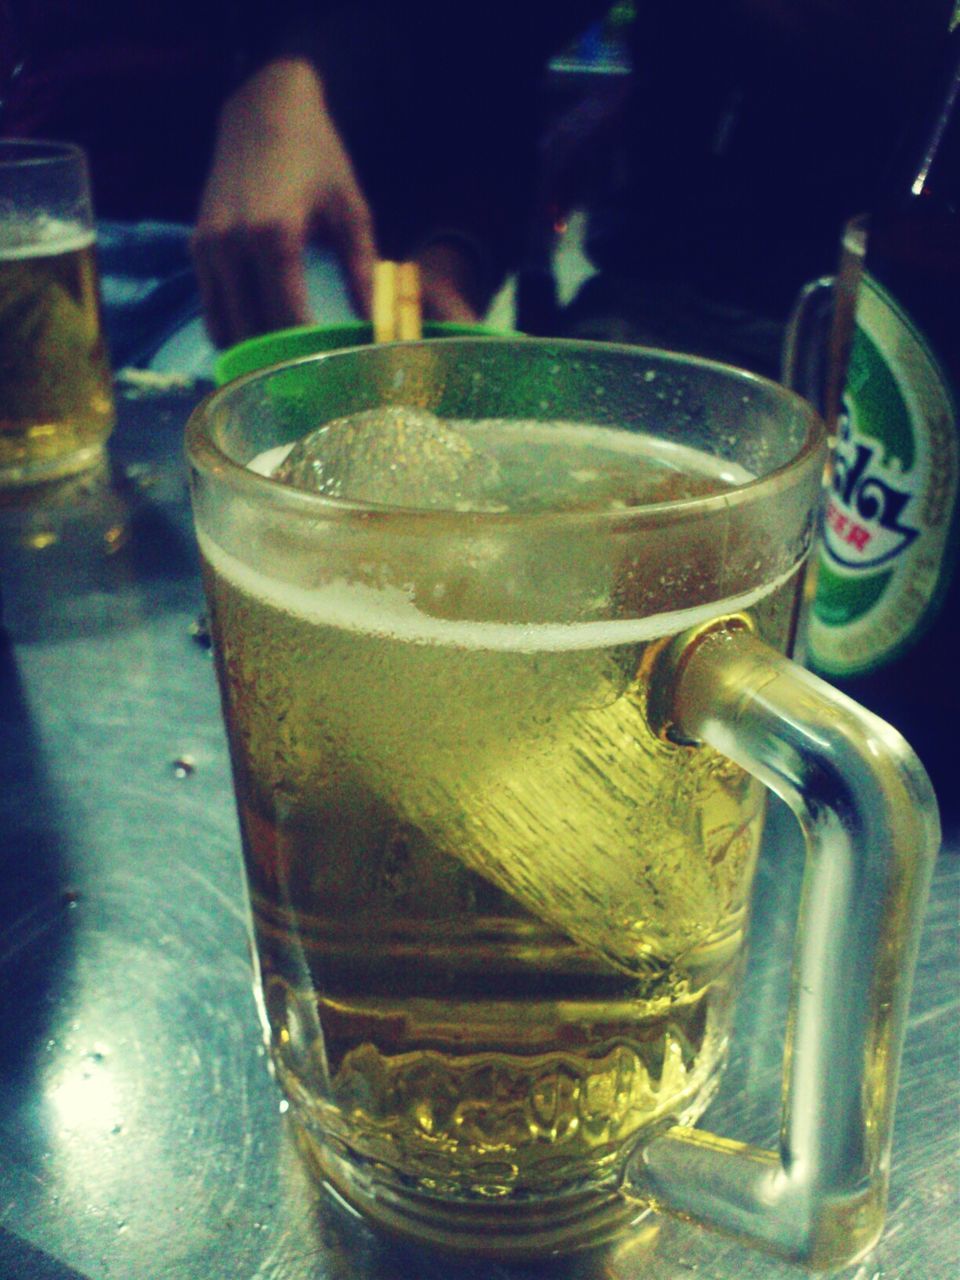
x: 56, y: 402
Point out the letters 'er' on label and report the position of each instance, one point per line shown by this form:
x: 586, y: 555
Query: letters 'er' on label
x: 887, y: 546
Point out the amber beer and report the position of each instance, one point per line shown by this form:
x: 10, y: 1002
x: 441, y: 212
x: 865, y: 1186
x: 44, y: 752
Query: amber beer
x: 499, y: 916
x: 56, y: 404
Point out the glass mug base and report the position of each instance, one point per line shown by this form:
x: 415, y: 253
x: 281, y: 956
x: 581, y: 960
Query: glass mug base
x: 490, y: 1182
x: 506, y: 1231
x: 25, y: 473
x: 435, y: 1131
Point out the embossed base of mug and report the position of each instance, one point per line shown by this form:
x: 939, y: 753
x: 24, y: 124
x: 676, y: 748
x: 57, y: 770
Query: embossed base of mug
x: 33, y: 473
x: 506, y: 1230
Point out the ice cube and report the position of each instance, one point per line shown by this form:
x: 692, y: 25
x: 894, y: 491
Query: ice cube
x: 396, y: 455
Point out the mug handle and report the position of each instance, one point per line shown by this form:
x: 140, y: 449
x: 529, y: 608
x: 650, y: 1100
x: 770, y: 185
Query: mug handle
x: 806, y: 344
x: 822, y: 326
x: 872, y: 833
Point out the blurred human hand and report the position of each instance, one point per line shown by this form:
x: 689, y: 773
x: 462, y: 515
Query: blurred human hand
x: 280, y: 175
x: 450, y: 289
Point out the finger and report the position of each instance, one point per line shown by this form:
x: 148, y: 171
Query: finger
x: 442, y: 301
x: 211, y: 303
x: 278, y: 267
x: 228, y: 277
x: 357, y: 247
x: 451, y: 285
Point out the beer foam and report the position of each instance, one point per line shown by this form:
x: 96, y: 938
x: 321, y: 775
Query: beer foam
x: 390, y: 613
x: 42, y: 237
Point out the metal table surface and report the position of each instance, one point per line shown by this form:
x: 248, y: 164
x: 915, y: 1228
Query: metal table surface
x: 140, y: 1133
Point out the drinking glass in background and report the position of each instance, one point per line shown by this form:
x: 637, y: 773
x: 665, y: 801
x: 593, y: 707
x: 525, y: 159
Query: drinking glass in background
x: 56, y: 398
x: 499, y: 744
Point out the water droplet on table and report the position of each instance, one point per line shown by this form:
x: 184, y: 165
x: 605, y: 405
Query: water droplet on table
x: 184, y: 766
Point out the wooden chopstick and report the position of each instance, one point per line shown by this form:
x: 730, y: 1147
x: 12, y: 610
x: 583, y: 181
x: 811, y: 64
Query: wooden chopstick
x: 396, y: 302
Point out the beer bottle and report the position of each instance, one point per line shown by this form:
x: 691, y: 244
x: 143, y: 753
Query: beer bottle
x: 885, y: 619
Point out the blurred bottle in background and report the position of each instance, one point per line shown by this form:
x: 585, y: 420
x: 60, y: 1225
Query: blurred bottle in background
x: 885, y: 610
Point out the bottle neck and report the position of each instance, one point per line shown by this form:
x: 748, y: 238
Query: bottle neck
x: 927, y: 164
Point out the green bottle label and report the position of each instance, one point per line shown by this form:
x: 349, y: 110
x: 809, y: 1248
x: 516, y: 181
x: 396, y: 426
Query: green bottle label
x: 886, y: 550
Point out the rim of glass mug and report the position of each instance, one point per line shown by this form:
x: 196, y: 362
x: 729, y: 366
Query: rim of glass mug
x: 15, y: 152
x: 207, y: 453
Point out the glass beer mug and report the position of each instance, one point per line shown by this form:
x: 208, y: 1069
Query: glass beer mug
x: 501, y: 652
x: 56, y: 395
